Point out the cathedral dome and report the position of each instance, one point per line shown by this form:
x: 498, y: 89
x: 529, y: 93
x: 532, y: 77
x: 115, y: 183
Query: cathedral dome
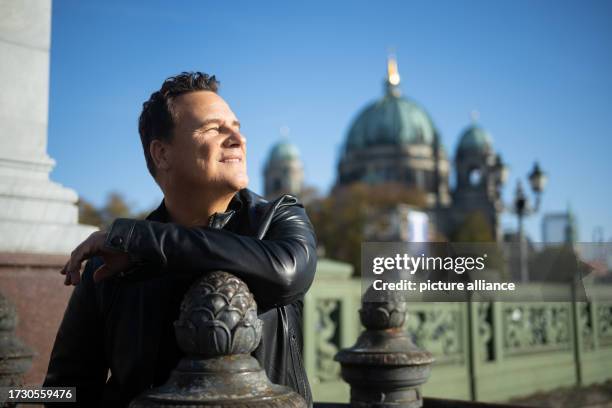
x: 392, y: 120
x: 475, y: 138
x: 284, y: 151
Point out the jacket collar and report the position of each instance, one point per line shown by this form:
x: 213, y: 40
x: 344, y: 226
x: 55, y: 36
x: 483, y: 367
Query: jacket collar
x: 217, y: 220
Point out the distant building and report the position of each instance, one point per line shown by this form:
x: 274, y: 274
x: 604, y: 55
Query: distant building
x: 283, y: 173
x: 403, y: 223
x: 559, y: 228
x: 394, y: 140
x: 479, y: 171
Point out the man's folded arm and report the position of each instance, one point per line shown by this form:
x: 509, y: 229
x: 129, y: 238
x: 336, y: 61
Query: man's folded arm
x: 77, y: 358
x: 278, y: 268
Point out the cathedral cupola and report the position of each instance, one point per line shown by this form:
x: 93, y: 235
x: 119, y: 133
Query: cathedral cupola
x: 394, y: 140
x: 283, y: 173
x: 480, y: 175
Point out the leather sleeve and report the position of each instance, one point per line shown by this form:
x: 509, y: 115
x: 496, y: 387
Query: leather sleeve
x: 77, y: 359
x: 278, y: 269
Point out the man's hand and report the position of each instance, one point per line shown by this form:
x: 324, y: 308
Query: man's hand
x: 114, y: 261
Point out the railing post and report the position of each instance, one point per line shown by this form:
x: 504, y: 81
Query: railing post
x: 473, y: 338
x: 217, y: 330
x: 577, y: 339
x: 15, y: 357
x: 595, y: 322
x: 384, y: 368
x: 498, y: 332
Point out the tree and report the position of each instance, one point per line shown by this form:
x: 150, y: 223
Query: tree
x: 308, y: 195
x: 340, y: 218
x: 114, y: 207
x: 474, y: 228
x: 88, y: 214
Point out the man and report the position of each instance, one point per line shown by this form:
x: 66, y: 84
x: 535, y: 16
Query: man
x: 121, y: 313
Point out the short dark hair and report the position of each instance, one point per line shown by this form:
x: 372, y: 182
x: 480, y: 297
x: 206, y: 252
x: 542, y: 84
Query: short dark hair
x: 157, y: 118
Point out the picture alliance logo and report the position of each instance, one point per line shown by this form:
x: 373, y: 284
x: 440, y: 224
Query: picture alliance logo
x: 412, y: 264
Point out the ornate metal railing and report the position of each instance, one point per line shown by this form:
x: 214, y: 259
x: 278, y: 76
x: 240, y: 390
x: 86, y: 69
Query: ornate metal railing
x: 489, y: 351
x: 218, y: 328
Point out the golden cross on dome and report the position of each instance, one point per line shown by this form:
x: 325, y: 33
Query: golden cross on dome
x: 392, y: 73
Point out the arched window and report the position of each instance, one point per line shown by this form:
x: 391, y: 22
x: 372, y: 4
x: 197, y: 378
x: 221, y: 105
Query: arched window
x: 475, y: 176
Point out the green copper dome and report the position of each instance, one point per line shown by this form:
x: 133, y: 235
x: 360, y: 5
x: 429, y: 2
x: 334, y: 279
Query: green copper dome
x: 392, y: 120
x: 475, y: 138
x: 283, y: 151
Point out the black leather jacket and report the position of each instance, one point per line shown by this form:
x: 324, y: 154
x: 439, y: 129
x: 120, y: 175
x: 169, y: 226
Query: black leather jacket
x: 125, y: 323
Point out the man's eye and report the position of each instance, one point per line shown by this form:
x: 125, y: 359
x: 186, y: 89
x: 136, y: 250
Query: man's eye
x: 215, y: 129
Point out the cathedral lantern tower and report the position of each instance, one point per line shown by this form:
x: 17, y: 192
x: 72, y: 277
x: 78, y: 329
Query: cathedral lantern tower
x: 393, y: 140
x: 480, y: 176
x: 283, y: 173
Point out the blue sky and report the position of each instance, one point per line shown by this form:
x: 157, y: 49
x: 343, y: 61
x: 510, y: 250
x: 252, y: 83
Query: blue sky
x: 538, y: 72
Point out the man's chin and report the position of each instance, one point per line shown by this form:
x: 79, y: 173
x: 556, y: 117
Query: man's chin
x: 240, y: 183
x: 223, y: 186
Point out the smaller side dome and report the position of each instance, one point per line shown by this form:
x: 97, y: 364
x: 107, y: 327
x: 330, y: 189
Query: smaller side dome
x: 283, y: 151
x: 283, y: 172
x: 475, y: 138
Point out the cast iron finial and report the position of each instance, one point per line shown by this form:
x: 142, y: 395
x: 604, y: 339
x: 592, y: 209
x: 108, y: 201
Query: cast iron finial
x: 217, y: 330
x: 218, y: 318
x: 384, y: 368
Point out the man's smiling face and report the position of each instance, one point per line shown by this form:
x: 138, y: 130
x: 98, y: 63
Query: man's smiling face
x: 207, y: 149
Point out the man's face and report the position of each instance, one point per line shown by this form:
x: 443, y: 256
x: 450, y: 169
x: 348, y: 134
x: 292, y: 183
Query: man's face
x: 207, y: 149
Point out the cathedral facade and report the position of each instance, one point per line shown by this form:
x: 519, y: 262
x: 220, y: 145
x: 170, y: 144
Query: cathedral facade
x: 394, y: 140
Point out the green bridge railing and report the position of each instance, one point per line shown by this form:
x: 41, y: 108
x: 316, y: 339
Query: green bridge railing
x: 485, y: 351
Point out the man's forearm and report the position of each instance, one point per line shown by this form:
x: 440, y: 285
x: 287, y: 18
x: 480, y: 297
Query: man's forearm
x: 277, y: 270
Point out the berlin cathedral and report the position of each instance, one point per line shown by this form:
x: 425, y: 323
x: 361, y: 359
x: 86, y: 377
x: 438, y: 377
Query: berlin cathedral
x: 394, y: 140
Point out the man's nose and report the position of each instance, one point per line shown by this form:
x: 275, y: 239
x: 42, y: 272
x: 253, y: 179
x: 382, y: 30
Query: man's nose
x: 235, y: 139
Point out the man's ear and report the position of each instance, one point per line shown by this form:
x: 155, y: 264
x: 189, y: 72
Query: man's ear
x: 160, y: 153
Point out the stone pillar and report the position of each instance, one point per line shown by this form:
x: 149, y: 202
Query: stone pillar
x: 384, y: 368
x: 36, y: 214
x: 217, y: 330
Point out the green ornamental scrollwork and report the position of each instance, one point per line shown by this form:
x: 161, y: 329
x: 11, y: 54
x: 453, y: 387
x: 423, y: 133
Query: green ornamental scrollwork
x: 558, y: 325
x: 604, y: 322
x: 536, y: 327
x: 327, y: 368
x: 586, y: 325
x: 485, y: 332
x: 437, y: 330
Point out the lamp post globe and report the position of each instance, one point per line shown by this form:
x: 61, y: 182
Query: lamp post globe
x: 537, y: 178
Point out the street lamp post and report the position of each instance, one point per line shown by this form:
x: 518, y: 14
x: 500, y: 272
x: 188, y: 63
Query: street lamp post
x: 522, y: 208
